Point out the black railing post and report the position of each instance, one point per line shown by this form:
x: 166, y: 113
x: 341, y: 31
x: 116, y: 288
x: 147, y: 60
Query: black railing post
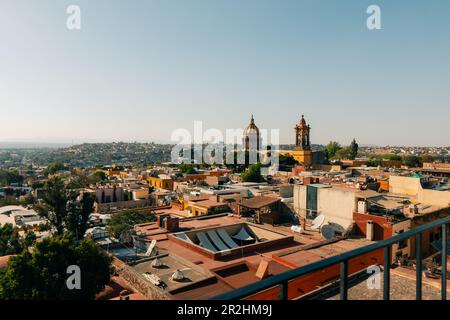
x: 419, y: 266
x: 284, y: 290
x: 444, y: 263
x: 387, y: 273
x: 344, y: 279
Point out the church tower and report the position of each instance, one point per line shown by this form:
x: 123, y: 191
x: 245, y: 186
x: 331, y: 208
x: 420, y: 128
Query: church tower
x: 302, y: 152
x: 251, y: 137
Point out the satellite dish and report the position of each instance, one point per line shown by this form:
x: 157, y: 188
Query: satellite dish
x: 338, y: 229
x: 328, y: 232
x: 317, y: 222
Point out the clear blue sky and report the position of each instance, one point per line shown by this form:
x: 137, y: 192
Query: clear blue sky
x: 139, y: 69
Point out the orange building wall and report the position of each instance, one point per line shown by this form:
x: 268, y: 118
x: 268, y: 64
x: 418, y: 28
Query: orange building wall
x: 384, y: 185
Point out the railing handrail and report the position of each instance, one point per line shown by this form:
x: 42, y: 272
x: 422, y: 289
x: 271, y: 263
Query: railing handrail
x: 292, y: 274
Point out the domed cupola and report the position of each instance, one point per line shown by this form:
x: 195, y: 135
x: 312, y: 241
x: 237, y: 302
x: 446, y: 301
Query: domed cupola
x: 251, y: 128
x: 251, y: 136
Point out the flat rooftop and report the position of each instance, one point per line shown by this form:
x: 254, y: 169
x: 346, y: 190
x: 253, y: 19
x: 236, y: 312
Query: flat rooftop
x: 302, y: 256
x: 170, y: 264
x: 211, y: 273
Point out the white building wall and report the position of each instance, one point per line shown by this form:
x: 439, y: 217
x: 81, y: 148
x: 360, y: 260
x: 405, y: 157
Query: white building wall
x: 337, y: 205
x: 300, y: 200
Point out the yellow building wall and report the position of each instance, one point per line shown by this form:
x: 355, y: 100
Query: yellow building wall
x: 196, y: 211
x: 166, y: 184
x: 302, y: 156
x: 327, y: 167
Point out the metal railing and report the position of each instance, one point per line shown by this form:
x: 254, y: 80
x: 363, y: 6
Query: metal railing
x: 282, y: 280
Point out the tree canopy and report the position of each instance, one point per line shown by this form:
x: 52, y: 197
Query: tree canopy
x: 126, y: 220
x: 332, y: 148
x: 187, y: 168
x: 42, y: 274
x: 99, y: 176
x: 343, y: 153
x: 353, y: 149
x: 10, y: 242
x: 8, y: 177
x: 286, y: 160
x: 65, y: 209
x: 54, y: 167
x: 252, y: 174
x: 412, y: 161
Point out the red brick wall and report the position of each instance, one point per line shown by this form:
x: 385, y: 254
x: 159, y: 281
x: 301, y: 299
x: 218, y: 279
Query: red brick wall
x: 382, y: 229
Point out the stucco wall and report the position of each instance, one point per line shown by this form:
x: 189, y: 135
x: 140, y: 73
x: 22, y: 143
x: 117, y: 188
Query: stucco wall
x: 404, y: 185
x: 435, y: 197
x: 337, y: 205
x: 300, y: 200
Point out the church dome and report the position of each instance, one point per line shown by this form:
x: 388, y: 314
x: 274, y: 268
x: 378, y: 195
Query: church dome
x: 251, y: 128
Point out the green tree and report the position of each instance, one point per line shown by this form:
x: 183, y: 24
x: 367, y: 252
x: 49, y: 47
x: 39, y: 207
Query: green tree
x: 29, y: 239
x: 55, y: 200
x: 427, y: 158
x: 412, y: 161
x: 8, y: 201
x: 353, y: 149
x: 126, y: 220
x: 78, y: 212
x: 287, y: 160
x: 99, y: 176
x: 374, y: 162
x: 42, y: 274
x: 332, y: 148
x: 9, y: 240
x: 252, y: 174
x: 8, y: 177
x: 28, y: 200
x: 343, y: 153
x: 390, y: 156
x: 54, y: 167
x: 65, y: 210
x: 187, y: 168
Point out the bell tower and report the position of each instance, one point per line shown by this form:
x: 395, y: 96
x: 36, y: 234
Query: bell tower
x: 302, y: 152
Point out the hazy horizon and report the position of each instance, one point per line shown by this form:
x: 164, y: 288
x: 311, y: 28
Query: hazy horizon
x: 136, y: 70
x: 32, y: 144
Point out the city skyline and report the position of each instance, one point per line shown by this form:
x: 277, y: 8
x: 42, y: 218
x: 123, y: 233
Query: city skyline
x: 137, y: 71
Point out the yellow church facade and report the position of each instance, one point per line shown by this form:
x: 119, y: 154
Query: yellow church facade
x: 302, y: 151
